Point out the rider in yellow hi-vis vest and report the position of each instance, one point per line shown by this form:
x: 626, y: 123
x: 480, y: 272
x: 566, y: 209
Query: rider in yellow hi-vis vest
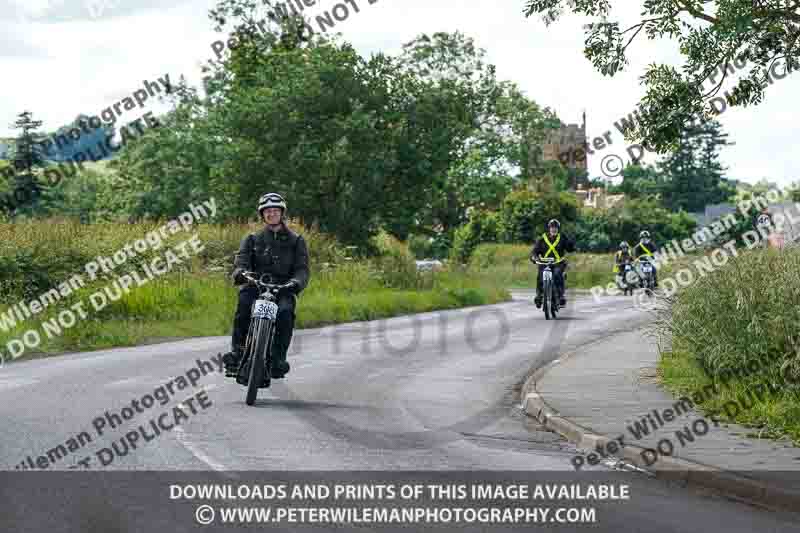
x: 552, y: 244
x: 623, y: 255
x: 646, y: 247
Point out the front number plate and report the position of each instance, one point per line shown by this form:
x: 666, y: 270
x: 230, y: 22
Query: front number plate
x: 647, y: 268
x: 547, y: 274
x: 265, y: 309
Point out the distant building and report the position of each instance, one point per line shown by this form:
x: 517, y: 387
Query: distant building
x: 5, y: 150
x: 568, y: 145
x: 790, y: 232
x: 712, y: 213
x: 598, y: 198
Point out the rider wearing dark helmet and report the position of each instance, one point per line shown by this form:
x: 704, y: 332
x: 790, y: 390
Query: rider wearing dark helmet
x: 552, y: 244
x: 282, y: 253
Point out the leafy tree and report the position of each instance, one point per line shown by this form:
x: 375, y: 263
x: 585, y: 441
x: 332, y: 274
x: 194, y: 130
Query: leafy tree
x: 640, y: 182
x: 712, y: 37
x: 524, y: 126
x: 352, y: 142
x: 158, y: 173
x: 693, y: 174
x: 87, y: 196
x: 455, y: 72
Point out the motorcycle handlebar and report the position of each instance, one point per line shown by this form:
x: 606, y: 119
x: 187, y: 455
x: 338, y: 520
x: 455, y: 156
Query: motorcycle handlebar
x: 249, y: 277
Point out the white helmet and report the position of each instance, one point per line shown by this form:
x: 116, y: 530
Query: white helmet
x: 271, y: 199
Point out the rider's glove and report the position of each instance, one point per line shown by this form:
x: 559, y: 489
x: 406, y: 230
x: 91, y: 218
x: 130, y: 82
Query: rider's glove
x: 288, y: 288
x: 239, y: 278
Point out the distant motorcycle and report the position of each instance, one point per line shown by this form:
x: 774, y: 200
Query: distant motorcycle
x: 646, y: 275
x: 254, y: 369
x: 627, y: 279
x: 549, y: 289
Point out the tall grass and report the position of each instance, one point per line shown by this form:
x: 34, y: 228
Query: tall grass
x: 726, y: 322
x: 36, y: 256
x: 199, y: 299
x: 510, y: 264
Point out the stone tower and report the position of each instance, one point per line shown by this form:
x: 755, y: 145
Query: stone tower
x: 568, y: 145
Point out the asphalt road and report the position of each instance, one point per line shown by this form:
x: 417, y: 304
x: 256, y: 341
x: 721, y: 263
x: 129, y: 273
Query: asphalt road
x: 437, y: 391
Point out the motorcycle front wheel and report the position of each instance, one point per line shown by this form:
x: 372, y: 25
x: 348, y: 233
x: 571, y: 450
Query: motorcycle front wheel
x: 547, y: 305
x: 259, y: 373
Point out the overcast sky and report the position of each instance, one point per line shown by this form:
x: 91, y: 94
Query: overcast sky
x: 59, y: 58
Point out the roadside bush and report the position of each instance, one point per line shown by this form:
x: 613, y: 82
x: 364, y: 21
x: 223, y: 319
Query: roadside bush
x: 600, y: 230
x: 394, y: 265
x: 483, y: 227
x: 427, y: 247
x: 593, y: 231
x: 524, y: 214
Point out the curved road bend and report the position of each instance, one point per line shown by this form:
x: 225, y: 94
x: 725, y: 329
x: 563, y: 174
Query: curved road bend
x: 436, y: 391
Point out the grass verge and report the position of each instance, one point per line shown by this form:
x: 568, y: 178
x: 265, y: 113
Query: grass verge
x: 510, y: 265
x: 189, y: 305
x: 735, y: 329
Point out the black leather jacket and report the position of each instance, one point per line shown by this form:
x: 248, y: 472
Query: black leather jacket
x: 283, y: 254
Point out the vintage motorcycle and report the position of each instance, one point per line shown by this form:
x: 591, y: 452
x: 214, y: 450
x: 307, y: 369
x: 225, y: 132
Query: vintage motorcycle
x: 627, y: 279
x: 549, y: 289
x: 254, y: 368
x: 646, y: 274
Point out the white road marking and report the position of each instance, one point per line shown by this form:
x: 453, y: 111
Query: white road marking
x: 183, y: 439
x: 123, y: 382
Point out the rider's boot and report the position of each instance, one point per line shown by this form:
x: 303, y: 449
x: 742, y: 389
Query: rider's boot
x: 231, y: 361
x: 280, y: 369
x: 283, y: 338
x: 538, y: 299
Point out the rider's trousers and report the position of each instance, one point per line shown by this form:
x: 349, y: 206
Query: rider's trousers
x: 284, y: 324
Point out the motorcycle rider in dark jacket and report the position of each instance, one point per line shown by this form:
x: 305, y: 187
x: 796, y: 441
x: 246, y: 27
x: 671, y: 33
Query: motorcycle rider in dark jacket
x: 282, y: 253
x: 554, y: 245
x: 647, y: 247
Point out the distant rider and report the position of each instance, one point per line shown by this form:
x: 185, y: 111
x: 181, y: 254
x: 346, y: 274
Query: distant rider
x: 552, y: 244
x: 282, y: 253
x: 646, y: 248
x: 622, y: 257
